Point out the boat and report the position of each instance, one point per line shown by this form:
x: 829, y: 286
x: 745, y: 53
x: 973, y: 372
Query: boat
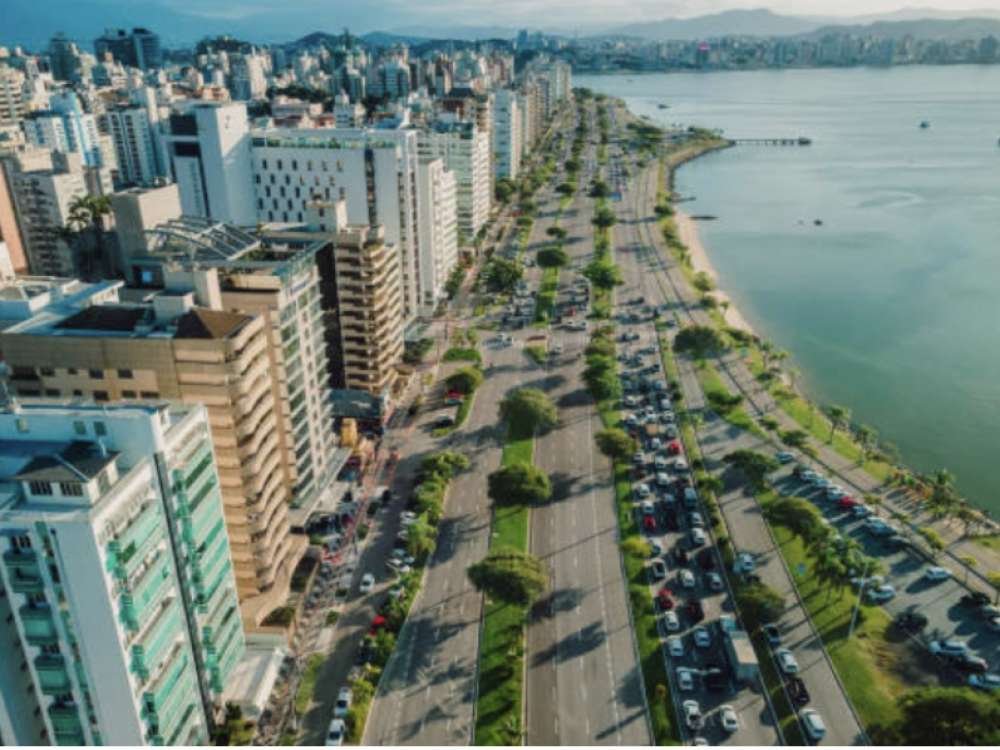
x: 818, y: 222
x: 663, y: 106
x: 924, y: 124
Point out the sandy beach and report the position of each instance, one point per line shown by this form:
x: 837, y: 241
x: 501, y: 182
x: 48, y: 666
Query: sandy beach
x: 687, y: 230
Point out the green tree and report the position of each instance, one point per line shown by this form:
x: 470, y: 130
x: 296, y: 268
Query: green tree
x: 519, y: 484
x: 703, y: 282
x: 557, y: 233
x: 943, y: 716
x: 867, y: 439
x: 615, y: 443
x: 759, y: 604
x: 504, y: 190
x: 552, y: 257
x: 603, y: 274
x: 466, y: 380
x: 839, y: 417
x: 795, y: 438
x: 800, y: 516
x: 600, y: 346
x: 699, y: 341
x: 509, y: 575
x: 599, y: 189
x: 444, y: 464
x: 566, y: 189
x: 421, y: 540
x: 85, y: 225
x: 502, y: 275
x: 603, y: 385
x: 604, y: 218
x: 636, y: 546
x: 944, y: 500
x: 528, y: 411
x: 754, y: 466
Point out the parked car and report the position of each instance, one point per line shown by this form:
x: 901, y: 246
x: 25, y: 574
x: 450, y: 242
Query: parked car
x: 936, y: 573
x: 702, y: 637
x: 784, y: 457
x: 698, y: 537
x: 343, y: 704
x: 686, y: 579
x: 671, y: 622
x: 675, y: 646
x: 685, y: 679
x: 772, y: 633
x: 797, y: 691
x: 335, y: 733
x: 714, y: 581
x: 664, y: 598
x: 692, y: 715
x: 367, y: 583
x: 659, y: 569
x: 911, y: 622
x: 948, y: 647
x: 786, y: 661
x: 881, y: 594
x: 988, y: 682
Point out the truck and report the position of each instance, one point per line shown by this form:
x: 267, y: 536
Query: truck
x: 742, y: 658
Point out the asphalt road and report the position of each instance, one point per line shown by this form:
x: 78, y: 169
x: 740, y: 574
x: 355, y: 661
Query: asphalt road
x: 583, y: 684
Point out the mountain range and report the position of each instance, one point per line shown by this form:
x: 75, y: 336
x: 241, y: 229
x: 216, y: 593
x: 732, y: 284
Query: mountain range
x: 32, y: 23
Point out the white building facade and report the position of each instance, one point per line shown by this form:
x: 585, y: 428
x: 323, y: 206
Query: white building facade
x: 438, y: 231
x: 465, y: 151
x: 507, y: 139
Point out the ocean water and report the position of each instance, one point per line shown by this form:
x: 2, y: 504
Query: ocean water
x: 892, y: 306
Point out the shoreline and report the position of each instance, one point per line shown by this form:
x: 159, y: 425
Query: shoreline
x: 688, y: 234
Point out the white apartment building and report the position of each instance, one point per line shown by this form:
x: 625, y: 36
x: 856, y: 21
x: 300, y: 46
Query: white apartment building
x: 507, y: 141
x: 438, y: 231
x: 12, y: 104
x: 373, y: 171
x: 465, y: 151
x: 135, y: 150
x: 121, y: 624
x: 209, y: 150
x: 346, y: 114
x: 247, y: 77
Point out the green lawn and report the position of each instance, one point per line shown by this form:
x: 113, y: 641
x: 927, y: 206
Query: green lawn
x: 547, y: 294
x: 501, y: 651
x: 307, y: 685
x: 537, y: 352
x: 871, y: 667
x: 712, y: 385
x: 990, y: 541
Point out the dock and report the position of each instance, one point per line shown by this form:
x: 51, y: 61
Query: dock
x: 800, y: 141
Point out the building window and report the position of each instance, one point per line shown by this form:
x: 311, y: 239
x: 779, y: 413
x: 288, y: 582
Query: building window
x: 263, y: 163
x: 96, y: 374
x: 47, y: 371
x: 100, y: 429
x: 71, y: 371
x: 280, y: 164
x: 52, y: 393
x: 125, y: 373
x: 40, y: 488
x: 77, y: 392
x: 149, y: 394
x: 128, y: 394
x: 100, y: 395
x: 73, y: 489
x: 295, y: 165
x: 80, y: 428
x: 22, y: 424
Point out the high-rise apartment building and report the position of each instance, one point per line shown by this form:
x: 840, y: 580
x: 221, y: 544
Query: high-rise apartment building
x: 373, y: 171
x: 10, y: 231
x: 121, y: 618
x: 138, y: 49
x: 172, y: 349
x: 247, y: 77
x: 465, y: 151
x: 438, y: 231
x: 135, y: 150
x: 12, y: 102
x: 136, y: 211
x: 209, y: 150
x: 507, y: 134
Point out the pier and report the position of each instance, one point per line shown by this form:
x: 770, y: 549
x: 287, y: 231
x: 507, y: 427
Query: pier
x: 800, y: 141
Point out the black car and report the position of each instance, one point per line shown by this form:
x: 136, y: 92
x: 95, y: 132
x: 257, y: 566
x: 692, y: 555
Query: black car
x: 706, y: 559
x: 797, y: 691
x: 968, y: 664
x: 680, y: 555
x: 694, y: 610
x: 365, y: 652
x: 975, y: 599
x: 911, y: 622
x: 715, y: 678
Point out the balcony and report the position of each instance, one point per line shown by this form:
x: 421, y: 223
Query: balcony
x: 53, y: 679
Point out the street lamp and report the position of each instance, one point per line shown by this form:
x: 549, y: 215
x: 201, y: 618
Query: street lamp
x: 861, y: 593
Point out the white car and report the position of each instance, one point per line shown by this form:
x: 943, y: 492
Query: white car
x: 702, y: 638
x: 680, y: 464
x: 714, y: 581
x: 988, y: 682
x: 647, y: 508
x: 685, y: 679
x: 343, y: 704
x: 812, y: 722
x: 698, y: 537
x: 642, y: 490
x: 659, y: 569
x: 671, y: 622
x: 336, y: 733
x: 786, y: 660
x: 675, y: 646
x: 660, y: 463
x: 692, y: 715
x: 949, y: 647
x: 809, y: 476
x: 936, y: 573
x: 727, y: 718
x: 784, y: 457
x: 861, y: 511
x: 557, y: 349
x: 686, y: 577
x: 881, y: 594
x: 367, y: 583
x: 662, y: 479
x: 744, y: 563
x: 835, y: 492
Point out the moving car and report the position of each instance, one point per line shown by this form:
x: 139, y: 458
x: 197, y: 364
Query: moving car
x: 664, y: 598
x: 671, y: 622
x: 948, y: 647
x: 881, y: 594
x: 714, y: 581
x: 797, y: 691
x: 786, y: 661
x: 343, y: 704
x: 335, y: 733
x: 686, y: 578
x: 727, y: 718
x: 367, y: 583
x: 813, y: 724
x: 911, y: 622
x: 772, y: 633
x: 697, y: 537
x: 988, y: 682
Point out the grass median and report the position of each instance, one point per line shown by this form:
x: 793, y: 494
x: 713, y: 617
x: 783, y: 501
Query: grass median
x: 501, y: 652
x: 724, y: 403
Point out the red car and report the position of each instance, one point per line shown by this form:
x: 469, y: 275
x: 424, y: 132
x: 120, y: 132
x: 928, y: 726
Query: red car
x: 846, y: 503
x: 649, y: 523
x: 673, y: 448
x: 377, y: 624
x: 665, y: 599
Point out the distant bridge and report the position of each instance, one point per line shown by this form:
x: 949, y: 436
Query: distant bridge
x: 800, y: 141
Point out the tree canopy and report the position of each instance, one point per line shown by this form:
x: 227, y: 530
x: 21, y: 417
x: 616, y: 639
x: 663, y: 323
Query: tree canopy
x: 799, y: 515
x: 754, y: 466
x: 759, y: 604
x: 943, y: 716
x: 501, y: 275
x: 699, y: 341
x: 509, y: 575
x: 552, y: 257
x: 615, y: 443
x: 603, y: 274
x: 519, y: 484
x: 528, y: 411
x: 466, y: 380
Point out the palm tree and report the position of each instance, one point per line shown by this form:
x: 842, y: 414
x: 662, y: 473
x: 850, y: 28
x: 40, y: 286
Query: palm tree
x: 867, y: 438
x: 839, y: 417
x: 86, y: 217
x: 943, y: 500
